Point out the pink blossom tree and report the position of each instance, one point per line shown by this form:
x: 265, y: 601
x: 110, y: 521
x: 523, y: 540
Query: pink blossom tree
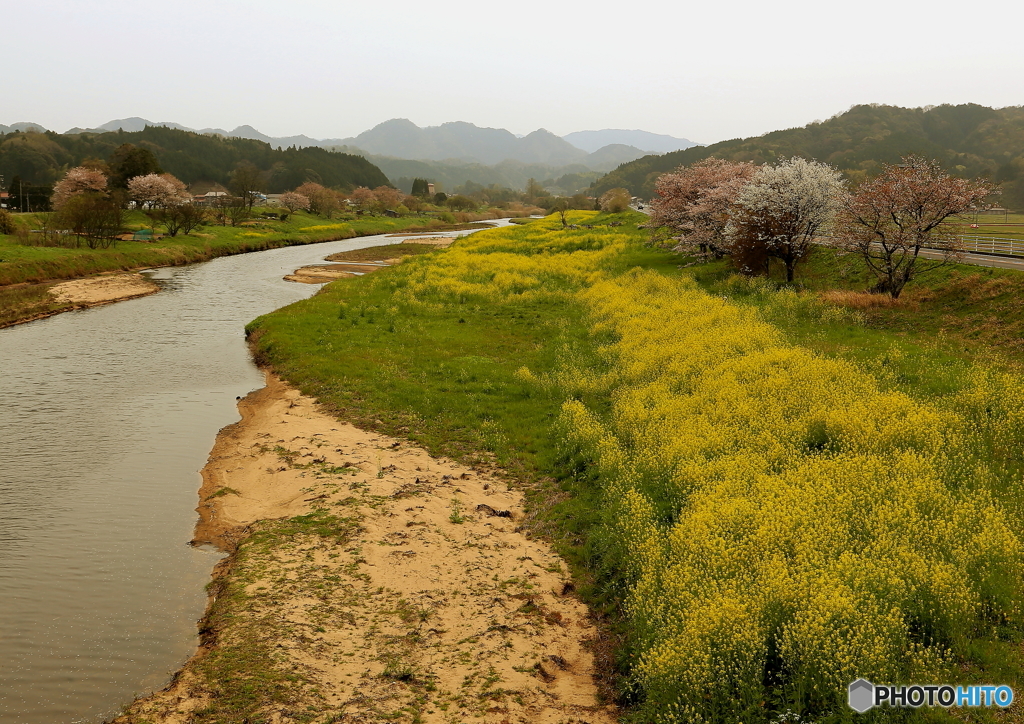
x: 903, y: 210
x: 386, y: 198
x: 322, y: 201
x: 615, y: 201
x: 362, y: 197
x: 78, y: 181
x: 694, y: 202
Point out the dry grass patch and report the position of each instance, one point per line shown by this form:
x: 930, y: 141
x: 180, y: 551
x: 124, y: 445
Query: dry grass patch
x: 858, y: 300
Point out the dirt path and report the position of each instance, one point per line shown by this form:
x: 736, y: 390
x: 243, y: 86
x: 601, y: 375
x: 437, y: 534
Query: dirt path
x: 407, y: 593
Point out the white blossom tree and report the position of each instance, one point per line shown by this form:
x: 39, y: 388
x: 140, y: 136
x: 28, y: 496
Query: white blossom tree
x: 157, y: 191
x: 294, y: 201
x: 77, y: 181
x: 782, y: 208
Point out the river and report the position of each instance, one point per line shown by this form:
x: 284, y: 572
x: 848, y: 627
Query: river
x: 107, y: 416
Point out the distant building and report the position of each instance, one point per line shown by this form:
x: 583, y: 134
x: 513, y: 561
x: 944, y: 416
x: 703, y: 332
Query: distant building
x: 209, y: 198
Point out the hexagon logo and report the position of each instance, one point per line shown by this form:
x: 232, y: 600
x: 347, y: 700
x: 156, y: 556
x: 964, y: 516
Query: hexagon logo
x: 861, y: 695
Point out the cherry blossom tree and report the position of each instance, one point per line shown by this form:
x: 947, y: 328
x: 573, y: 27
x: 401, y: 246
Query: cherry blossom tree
x: 615, y: 200
x: 385, y: 197
x: 782, y: 208
x: 903, y: 210
x: 78, y: 181
x: 294, y: 201
x: 322, y: 201
x: 181, y: 193
x: 694, y: 202
x: 154, y: 191
x: 413, y: 203
x: 362, y: 197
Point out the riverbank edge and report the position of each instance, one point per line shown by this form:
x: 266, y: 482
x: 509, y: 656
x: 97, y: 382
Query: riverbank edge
x: 217, y: 529
x: 203, y: 256
x: 71, y: 305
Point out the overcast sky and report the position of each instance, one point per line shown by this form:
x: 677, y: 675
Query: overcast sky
x: 332, y: 69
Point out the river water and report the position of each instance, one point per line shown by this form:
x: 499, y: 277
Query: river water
x: 106, y: 417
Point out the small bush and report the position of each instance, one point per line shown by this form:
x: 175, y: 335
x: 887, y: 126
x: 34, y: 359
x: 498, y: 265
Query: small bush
x: 7, y: 225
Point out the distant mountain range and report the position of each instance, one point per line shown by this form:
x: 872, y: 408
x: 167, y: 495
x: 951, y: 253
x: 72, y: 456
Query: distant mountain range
x: 457, y: 142
x: 460, y: 141
x: 21, y: 127
x: 652, y: 142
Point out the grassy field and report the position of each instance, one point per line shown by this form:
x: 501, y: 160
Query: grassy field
x: 1010, y: 226
x: 763, y: 492
x: 972, y: 310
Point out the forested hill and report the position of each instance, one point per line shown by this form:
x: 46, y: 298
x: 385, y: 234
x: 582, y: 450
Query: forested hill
x: 969, y: 140
x: 41, y: 158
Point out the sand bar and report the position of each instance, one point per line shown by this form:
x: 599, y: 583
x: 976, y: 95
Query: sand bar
x: 439, y: 604
x: 103, y: 289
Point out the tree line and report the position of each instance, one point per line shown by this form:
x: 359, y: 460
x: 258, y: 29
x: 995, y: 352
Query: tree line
x: 40, y: 159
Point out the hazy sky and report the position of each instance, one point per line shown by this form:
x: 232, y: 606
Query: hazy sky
x: 706, y: 72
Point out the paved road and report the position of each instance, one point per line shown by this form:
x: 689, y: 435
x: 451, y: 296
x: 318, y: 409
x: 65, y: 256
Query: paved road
x: 1002, y: 262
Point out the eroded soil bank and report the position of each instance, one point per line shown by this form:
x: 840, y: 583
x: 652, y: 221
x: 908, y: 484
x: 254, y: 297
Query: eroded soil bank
x: 369, y: 581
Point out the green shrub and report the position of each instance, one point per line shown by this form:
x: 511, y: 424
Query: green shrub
x: 7, y: 225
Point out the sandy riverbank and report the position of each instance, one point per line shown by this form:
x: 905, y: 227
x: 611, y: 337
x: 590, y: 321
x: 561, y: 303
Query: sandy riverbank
x: 431, y: 605
x: 323, y: 273
x: 20, y: 303
x: 103, y: 289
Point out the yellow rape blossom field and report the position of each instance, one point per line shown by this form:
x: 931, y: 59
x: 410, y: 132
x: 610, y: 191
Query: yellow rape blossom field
x: 763, y: 522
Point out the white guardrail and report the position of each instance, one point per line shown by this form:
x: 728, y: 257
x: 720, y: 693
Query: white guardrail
x: 993, y: 245
x: 999, y: 246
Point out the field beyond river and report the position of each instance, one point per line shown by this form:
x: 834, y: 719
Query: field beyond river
x: 762, y: 494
